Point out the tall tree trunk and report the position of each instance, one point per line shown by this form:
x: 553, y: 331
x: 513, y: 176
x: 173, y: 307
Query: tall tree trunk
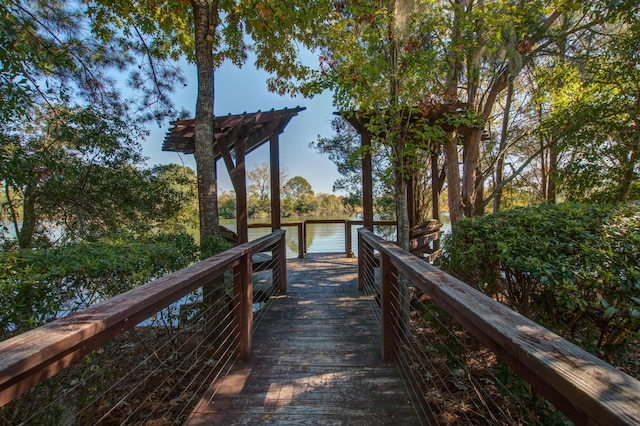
x: 401, y: 10
x: 29, y: 218
x: 472, y: 182
x: 205, y: 20
x: 470, y: 159
x: 629, y: 175
x: 543, y: 159
x: 205, y: 16
x: 453, y: 178
x: 12, y: 208
x: 552, y: 171
x: 497, y: 200
x: 451, y: 142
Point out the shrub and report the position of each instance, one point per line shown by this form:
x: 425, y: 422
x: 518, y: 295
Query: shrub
x: 40, y: 285
x: 572, y: 267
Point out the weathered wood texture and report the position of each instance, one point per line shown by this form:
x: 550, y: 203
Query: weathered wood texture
x: 316, y: 359
x: 31, y: 357
x: 586, y: 389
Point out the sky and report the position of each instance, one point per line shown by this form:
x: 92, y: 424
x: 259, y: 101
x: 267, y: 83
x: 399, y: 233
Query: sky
x: 244, y: 89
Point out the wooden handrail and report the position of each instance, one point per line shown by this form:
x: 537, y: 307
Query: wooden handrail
x: 299, y: 225
x: 582, y: 386
x: 31, y: 357
x: 302, y: 230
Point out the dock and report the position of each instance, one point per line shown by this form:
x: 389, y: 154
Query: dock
x: 316, y: 359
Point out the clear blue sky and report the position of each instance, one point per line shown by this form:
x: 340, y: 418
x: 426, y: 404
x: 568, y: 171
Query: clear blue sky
x: 239, y: 90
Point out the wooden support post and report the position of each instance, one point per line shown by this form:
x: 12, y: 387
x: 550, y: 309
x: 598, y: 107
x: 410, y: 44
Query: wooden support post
x: 390, y: 308
x: 241, y: 192
x: 243, y: 306
x: 274, y: 153
x: 304, y: 236
x: 347, y: 239
x: 362, y: 264
x: 300, y: 241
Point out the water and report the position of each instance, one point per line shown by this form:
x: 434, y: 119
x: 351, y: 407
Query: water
x: 320, y: 237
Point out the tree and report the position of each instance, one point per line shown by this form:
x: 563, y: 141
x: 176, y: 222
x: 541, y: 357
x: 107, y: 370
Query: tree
x: 56, y: 176
x: 175, y: 189
x: 259, y: 190
x: 330, y: 204
x: 344, y: 150
x: 370, y: 61
x: 297, y: 187
x: 298, y: 197
x: 459, y: 57
x: 59, y: 53
x: 208, y: 33
x: 57, y: 90
x: 227, y: 205
x: 594, y: 115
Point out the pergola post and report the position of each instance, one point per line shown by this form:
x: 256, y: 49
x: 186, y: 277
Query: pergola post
x: 274, y: 154
x: 241, y: 192
x: 242, y: 133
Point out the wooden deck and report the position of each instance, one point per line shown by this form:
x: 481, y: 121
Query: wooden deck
x: 316, y: 359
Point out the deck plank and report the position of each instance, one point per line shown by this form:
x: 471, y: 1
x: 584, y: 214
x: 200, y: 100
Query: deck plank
x: 316, y: 359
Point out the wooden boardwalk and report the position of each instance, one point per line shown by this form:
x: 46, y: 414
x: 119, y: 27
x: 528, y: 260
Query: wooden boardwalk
x: 316, y: 359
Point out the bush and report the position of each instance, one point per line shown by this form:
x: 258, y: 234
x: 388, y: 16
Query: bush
x: 40, y: 285
x: 574, y: 268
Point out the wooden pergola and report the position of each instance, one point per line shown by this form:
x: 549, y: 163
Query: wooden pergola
x: 242, y: 134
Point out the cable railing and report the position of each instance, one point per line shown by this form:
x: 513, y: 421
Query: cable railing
x: 471, y: 360
x: 329, y: 235
x: 147, y: 355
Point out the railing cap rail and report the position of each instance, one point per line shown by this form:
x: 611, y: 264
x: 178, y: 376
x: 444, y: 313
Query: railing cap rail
x: 57, y: 344
x: 582, y: 383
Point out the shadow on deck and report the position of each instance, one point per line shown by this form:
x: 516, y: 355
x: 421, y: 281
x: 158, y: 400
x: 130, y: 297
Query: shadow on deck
x: 316, y: 359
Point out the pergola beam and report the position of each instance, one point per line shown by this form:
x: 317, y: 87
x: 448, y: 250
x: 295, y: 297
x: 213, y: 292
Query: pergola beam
x: 242, y: 134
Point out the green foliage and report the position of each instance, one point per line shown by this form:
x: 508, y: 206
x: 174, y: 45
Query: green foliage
x: 57, y: 174
x: 530, y: 401
x: 572, y: 267
x: 40, y: 285
x: 298, y: 197
x: 173, y: 194
x: 227, y: 205
x: 592, y: 101
x: 345, y: 151
x: 210, y: 246
x: 61, y: 52
x: 259, y: 191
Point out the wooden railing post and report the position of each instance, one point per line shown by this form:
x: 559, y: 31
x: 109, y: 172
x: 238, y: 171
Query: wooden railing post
x: 243, y: 305
x: 304, y: 236
x: 301, y: 242
x: 390, y: 308
x: 279, y: 270
x: 347, y: 239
